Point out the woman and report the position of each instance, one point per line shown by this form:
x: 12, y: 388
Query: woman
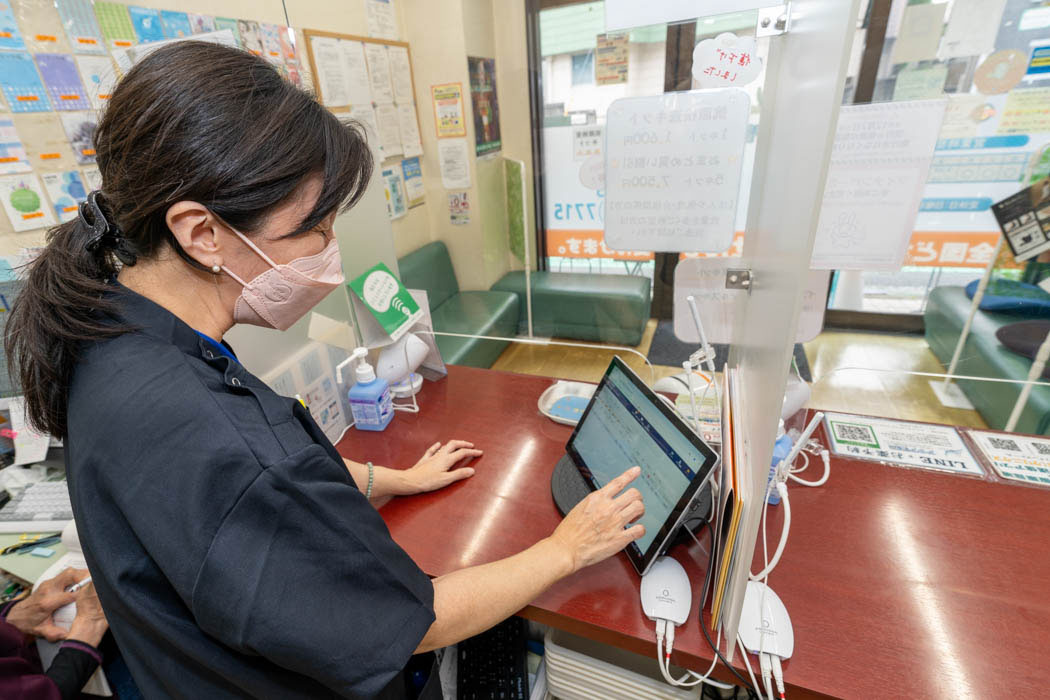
x: 234, y: 552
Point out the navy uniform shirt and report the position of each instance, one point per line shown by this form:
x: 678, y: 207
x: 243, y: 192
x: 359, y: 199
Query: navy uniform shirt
x: 231, y: 550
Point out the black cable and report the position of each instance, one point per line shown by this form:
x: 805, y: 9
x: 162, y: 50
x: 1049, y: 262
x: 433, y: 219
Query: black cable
x: 700, y: 611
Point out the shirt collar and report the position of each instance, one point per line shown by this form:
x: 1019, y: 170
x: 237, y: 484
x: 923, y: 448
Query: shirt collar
x: 151, y: 319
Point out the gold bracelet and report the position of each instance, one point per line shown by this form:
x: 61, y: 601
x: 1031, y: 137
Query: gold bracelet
x: 371, y: 480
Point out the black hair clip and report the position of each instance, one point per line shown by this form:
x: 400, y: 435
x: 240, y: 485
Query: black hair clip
x: 104, y: 235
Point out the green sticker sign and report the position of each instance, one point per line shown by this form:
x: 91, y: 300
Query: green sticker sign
x: 387, y: 299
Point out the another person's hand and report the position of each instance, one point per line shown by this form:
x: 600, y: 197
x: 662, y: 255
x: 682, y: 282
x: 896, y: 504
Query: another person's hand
x: 33, y: 614
x: 90, y: 624
x: 596, y: 528
x: 434, y: 469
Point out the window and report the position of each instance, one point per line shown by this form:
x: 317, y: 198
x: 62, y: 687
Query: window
x: 583, y: 68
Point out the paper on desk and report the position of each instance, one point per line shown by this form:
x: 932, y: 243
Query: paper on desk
x: 922, y: 445
x: 30, y: 446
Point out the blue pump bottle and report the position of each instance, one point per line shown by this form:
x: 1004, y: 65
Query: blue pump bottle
x: 370, y: 401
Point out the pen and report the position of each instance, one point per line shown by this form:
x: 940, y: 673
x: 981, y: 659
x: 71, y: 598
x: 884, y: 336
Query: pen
x: 77, y: 586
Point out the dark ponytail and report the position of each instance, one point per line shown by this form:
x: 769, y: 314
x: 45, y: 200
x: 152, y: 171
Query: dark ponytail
x: 192, y: 121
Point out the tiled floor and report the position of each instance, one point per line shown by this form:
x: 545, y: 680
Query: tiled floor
x: 843, y: 364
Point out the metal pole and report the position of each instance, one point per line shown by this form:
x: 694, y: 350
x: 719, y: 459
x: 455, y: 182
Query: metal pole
x: 709, y: 360
x: 977, y: 297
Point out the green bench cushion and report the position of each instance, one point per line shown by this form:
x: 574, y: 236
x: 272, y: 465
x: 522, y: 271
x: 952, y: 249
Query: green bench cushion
x: 984, y: 356
x: 605, y: 308
x: 475, y: 313
x: 429, y: 268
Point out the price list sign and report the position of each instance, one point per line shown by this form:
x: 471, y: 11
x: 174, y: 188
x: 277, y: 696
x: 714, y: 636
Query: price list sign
x: 673, y: 170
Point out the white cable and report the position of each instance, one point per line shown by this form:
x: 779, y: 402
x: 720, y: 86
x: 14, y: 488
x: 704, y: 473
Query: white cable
x: 663, y: 659
x: 826, y: 457
x: 782, y: 490
x: 765, y: 665
x: 747, y: 662
x: 778, y: 674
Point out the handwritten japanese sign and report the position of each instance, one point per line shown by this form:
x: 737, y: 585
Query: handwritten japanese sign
x: 725, y: 60
x: 672, y: 170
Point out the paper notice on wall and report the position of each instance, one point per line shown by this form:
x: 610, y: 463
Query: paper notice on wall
x: 971, y: 30
x: 412, y: 173
x: 705, y: 280
x: 401, y: 74
x: 459, y: 208
x: 920, y: 33
x: 1016, y: 457
x: 880, y: 160
x: 920, y: 83
x: 672, y: 170
x: 610, y: 59
x: 379, y: 73
x: 382, y: 19
x: 1026, y: 112
x: 365, y: 116
x: 92, y: 178
x: 331, y: 72
x: 100, y: 77
x: 406, y: 122
x: 396, y: 203
x: 66, y: 192
x: 24, y: 202
x: 359, y: 86
x: 448, y: 110
x: 454, y: 159
x: 921, y: 445
x: 30, y: 446
x: 389, y: 133
x: 13, y: 156
x: 963, y: 114
x: 586, y: 142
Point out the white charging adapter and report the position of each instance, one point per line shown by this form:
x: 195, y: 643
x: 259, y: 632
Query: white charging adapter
x: 665, y: 591
x: 765, y: 626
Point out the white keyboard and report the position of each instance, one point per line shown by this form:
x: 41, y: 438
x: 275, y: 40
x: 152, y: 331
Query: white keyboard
x: 40, y: 507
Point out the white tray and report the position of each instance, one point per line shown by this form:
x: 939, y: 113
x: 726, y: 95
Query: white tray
x: 560, y: 389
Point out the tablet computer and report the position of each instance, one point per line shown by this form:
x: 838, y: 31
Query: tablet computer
x: 626, y: 424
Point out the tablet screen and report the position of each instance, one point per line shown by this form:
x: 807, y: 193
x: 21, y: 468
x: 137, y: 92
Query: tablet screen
x: 627, y: 425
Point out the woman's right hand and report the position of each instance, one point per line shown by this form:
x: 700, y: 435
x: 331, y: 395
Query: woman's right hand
x: 595, y: 529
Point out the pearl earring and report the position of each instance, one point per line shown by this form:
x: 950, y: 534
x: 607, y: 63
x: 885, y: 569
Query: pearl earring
x: 216, y: 269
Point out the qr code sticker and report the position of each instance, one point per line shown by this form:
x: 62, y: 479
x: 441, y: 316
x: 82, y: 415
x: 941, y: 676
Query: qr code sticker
x: 853, y: 434
x: 1042, y: 448
x: 1005, y: 445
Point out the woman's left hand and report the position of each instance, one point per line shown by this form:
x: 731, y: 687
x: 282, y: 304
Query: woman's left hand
x: 434, y: 469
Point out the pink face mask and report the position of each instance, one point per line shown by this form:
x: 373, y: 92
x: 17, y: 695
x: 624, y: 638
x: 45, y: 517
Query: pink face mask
x: 281, y: 296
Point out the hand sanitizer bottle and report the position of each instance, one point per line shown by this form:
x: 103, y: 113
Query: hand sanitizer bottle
x: 370, y: 401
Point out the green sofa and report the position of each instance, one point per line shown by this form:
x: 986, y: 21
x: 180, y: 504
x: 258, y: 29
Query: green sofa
x: 984, y: 356
x: 452, y: 311
x: 604, y: 308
